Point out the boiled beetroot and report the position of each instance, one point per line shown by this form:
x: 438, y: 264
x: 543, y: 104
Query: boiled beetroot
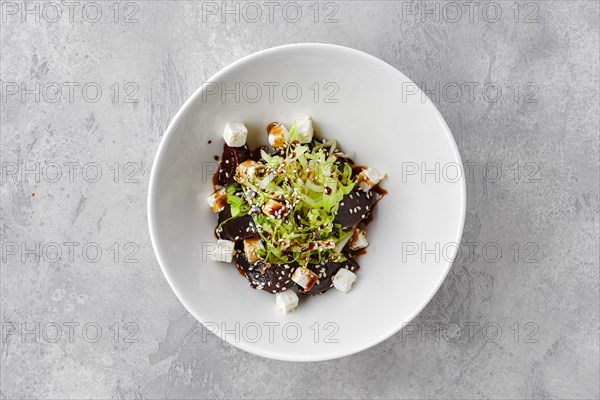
x: 273, y: 278
x: 354, y: 207
x: 238, y: 228
x: 232, y: 157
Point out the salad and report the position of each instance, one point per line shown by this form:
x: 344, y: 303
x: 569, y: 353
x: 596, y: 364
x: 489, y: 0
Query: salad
x: 292, y: 215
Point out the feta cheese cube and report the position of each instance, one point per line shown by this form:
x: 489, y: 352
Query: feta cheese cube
x: 304, y: 130
x: 235, y: 134
x: 305, y: 278
x: 248, y: 169
x: 368, y: 178
x: 358, y: 241
x: 274, y: 209
x: 278, y: 135
x: 251, y: 247
x: 218, y: 200
x: 287, y: 300
x: 223, y: 251
x: 344, y: 280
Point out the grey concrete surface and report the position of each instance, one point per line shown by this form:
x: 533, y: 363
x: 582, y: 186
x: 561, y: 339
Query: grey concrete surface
x: 81, y: 324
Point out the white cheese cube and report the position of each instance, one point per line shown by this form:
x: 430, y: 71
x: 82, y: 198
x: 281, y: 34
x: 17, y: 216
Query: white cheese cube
x: 223, y: 251
x: 218, y: 200
x: 278, y: 135
x: 287, y: 300
x: 304, y: 130
x: 251, y: 247
x: 274, y: 209
x: 248, y: 169
x: 344, y: 280
x: 358, y: 241
x: 368, y: 178
x: 305, y: 278
x: 235, y: 134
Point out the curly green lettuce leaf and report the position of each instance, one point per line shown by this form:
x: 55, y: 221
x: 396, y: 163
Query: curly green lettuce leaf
x: 310, y: 182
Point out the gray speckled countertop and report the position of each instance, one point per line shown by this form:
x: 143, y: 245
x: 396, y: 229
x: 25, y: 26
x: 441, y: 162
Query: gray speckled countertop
x: 87, y: 91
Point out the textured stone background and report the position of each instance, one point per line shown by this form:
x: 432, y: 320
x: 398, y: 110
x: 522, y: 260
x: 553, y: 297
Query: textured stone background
x: 541, y: 211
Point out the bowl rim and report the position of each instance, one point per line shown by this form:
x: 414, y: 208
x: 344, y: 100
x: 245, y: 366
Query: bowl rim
x: 159, y: 159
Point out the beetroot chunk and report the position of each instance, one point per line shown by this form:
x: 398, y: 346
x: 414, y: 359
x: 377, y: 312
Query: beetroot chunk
x: 238, y: 228
x: 354, y: 207
x: 232, y: 157
x: 273, y: 278
x: 255, y: 154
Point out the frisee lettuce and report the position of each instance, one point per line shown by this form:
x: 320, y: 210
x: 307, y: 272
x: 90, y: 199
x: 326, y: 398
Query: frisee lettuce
x: 310, y: 181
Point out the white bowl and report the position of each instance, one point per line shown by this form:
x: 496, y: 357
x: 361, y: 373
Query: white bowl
x: 371, y: 109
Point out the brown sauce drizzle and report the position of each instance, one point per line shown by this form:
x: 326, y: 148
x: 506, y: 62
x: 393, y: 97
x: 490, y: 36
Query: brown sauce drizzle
x: 271, y: 126
x: 215, y: 180
x: 357, y: 169
x: 379, y: 190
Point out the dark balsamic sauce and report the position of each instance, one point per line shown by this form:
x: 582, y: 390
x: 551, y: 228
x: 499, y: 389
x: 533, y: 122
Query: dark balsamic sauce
x: 271, y: 126
x: 215, y: 180
x: 379, y: 190
x: 357, y: 169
